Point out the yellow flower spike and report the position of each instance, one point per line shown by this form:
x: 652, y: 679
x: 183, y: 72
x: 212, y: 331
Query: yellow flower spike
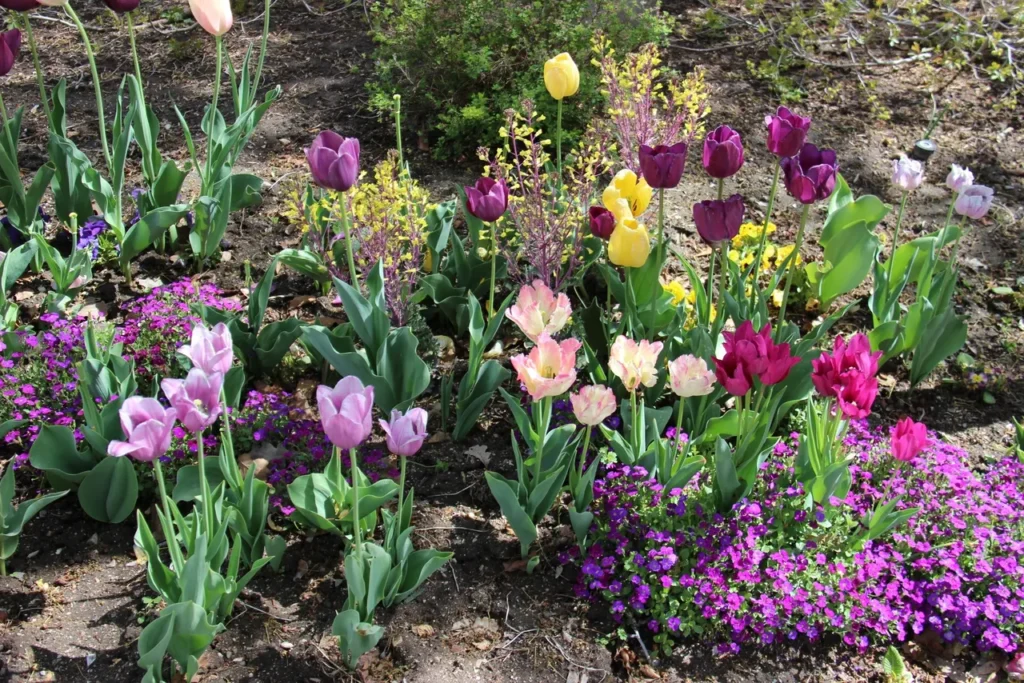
x: 561, y: 76
x: 630, y: 245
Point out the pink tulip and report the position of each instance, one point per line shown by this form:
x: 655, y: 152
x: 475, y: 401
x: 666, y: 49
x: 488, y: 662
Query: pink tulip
x: 346, y: 411
x: 733, y: 374
x: 213, y: 15
x: 195, y: 399
x: 634, y: 363
x: 974, y: 201
x: 848, y: 374
x: 593, y: 404
x: 689, y: 376
x: 550, y: 369
x: 909, y: 438
x: 147, y: 425
x: 907, y: 174
x: 211, y: 350
x: 856, y: 395
x: 406, y: 432
x: 959, y: 178
x: 538, y: 311
x: 750, y: 354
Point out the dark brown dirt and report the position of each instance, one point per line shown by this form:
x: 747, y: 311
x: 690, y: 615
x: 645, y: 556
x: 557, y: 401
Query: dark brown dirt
x: 77, y: 607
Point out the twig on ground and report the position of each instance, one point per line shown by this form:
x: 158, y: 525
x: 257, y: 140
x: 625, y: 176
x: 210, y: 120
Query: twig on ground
x: 554, y: 644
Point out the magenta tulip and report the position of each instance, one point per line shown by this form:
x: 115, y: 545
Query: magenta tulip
x: 811, y: 176
x: 602, y: 222
x: 334, y: 161
x: 787, y: 132
x: 211, y: 350
x: 19, y: 5
x: 718, y: 220
x: 10, y: 43
x: 195, y: 399
x: 662, y: 166
x: 346, y: 411
x: 405, y: 432
x: 909, y: 438
x: 723, y: 152
x: 147, y: 426
x: 487, y: 199
x: 121, y: 6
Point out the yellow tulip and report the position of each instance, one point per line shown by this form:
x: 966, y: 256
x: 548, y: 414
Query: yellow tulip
x: 630, y: 245
x: 626, y: 187
x: 561, y: 76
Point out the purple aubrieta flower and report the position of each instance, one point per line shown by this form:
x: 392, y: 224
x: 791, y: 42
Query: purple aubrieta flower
x: 811, y: 175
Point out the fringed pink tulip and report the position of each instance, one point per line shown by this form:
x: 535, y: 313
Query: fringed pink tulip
x: 195, y: 399
x: 593, y: 404
x: 211, y: 350
x: 147, y: 425
x: 538, y: 311
x: 634, y: 363
x: 549, y: 369
x: 346, y: 411
x: 405, y: 432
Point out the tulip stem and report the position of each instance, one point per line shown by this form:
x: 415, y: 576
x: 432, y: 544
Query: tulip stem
x: 661, y: 221
x: 7, y: 129
x: 583, y: 456
x: 95, y: 84
x: 543, y: 417
x: 711, y: 285
x: 764, y: 230
x: 348, y: 244
x: 204, y: 487
x: 679, y: 428
x: 558, y: 137
x: 896, y: 235
x: 721, y: 276
x: 634, y: 427
x: 167, y: 522
x: 135, y: 51
x: 263, y: 47
x: 789, y: 265
x: 39, y: 70
x: 213, y: 114
x: 494, y: 269
x: 357, y: 541
x: 401, y: 489
x: 721, y: 188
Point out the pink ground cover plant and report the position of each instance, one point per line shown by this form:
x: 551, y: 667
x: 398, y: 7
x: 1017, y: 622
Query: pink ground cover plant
x: 776, y: 569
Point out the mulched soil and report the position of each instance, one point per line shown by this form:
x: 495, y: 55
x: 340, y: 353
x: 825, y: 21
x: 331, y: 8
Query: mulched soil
x: 76, y: 605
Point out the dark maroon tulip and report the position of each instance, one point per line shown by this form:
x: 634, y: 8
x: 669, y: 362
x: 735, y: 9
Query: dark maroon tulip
x: 723, y: 152
x: 19, y: 5
x: 602, y: 222
x: 10, y: 43
x: 719, y: 220
x: 810, y: 176
x: 487, y: 199
x: 121, y: 6
x: 786, y: 132
x: 662, y: 166
x: 334, y: 161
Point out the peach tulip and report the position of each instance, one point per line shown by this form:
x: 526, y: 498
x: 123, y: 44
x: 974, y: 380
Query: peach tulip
x: 550, y: 369
x: 593, y: 404
x: 690, y: 376
x: 634, y: 363
x: 538, y: 311
x: 213, y: 15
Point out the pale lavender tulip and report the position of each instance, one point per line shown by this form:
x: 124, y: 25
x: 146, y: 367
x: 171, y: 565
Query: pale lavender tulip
x: 974, y: 202
x: 406, y: 432
x: 346, y: 411
x: 959, y: 178
x: 147, y: 426
x: 211, y: 350
x: 195, y: 399
x: 907, y: 174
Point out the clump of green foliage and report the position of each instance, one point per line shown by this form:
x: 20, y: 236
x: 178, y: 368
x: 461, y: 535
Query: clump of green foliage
x: 460, y: 65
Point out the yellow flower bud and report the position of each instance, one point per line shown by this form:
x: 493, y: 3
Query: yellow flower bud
x: 630, y: 245
x: 561, y: 77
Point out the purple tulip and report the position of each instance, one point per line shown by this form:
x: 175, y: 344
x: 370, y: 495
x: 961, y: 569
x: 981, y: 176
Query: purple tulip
x: 195, y: 399
x: 334, y: 161
x: 602, y: 222
x: 811, y: 176
x: 121, y: 6
x: 786, y: 132
x: 406, y: 433
x: 723, y: 152
x: 19, y: 5
x: 662, y: 166
x: 147, y: 425
x: 211, y: 350
x: 719, y: 220
x: 10, y: 43
x: 346, y: 411
x: 487, y: 199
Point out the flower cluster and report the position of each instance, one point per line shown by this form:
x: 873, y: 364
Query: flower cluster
x: 848, y: 375
x: 771, y: 571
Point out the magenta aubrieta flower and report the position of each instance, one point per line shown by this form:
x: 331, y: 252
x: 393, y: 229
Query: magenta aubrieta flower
x: 811, y: 176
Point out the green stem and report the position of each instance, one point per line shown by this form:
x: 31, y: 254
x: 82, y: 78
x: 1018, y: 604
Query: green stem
x: 634, y: 428
x: 135, y: 52
x: 583, y: 456
x: 543, y: 417
x: 661, y: 221
x: 711, y: 284
x: 357, y: 541
x: 348, y: 245
x: 167, y: 522
x: 3, y: 567
x: 263, y: 47
x: 558, y: 137
x: 95, y: 84
x: 398, y: 130
x: 721, y: 188
x: 7, y: 129
x: 791, y: 260
x: 494, y: 270
x: 721, y: 277
x: 204, y: 487
x: 896, y: 235
x: 213, y: 108
x: 679, y: 426
x: 39, y: 70
x: 956, y: 247
x: 764, y: 229
x: 401, y: 486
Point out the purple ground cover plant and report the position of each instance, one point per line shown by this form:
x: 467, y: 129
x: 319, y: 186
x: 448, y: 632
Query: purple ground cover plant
x: 776, y: 569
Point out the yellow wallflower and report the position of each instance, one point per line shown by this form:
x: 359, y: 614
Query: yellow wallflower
x: 676, y: 289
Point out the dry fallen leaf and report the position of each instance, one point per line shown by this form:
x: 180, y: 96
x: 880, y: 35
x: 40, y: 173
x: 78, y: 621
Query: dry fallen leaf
x: 479, y: 452
x: 423, y: 630
x: 482, y: 645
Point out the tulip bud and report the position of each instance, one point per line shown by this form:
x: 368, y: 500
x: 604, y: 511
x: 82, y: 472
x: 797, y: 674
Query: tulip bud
x: 487, y: 199
x: 630, y: 245
x: 974, y: 202
x: 909, y: 438
x: 10, y: 43
x: 723, y: 152
x: 405, y: 432
x: 907, y: 174
x: 662, y: 166
x: 213, y: 15
x: 561, y: 76
x: 719, y: 220
x: 334, y: 161
x: 602, y: 222
x: 689, y: 376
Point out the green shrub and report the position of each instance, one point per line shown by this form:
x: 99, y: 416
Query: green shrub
x: 460, y: 65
